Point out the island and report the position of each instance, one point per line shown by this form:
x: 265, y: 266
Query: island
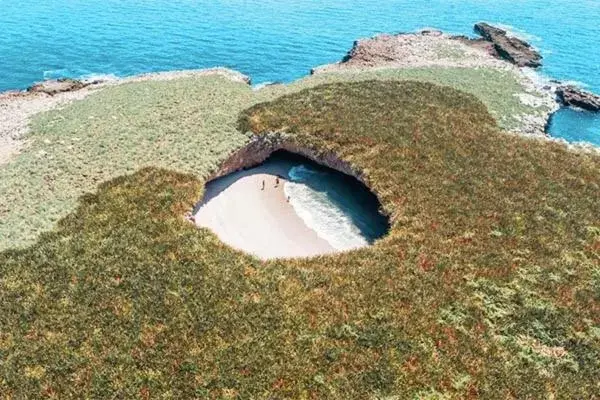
x: 484, y: 286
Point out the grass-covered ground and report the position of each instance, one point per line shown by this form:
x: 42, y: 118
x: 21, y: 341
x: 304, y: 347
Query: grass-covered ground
x: 498, y: 89
x: 184, y: 124
x: 188, y: 125
x: 488, y: 285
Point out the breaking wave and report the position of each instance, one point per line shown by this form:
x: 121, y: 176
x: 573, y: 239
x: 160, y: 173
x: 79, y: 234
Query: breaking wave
x: 329, y: 207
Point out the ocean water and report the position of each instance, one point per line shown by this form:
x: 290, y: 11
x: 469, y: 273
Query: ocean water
x: 275, y: 40
x: 342, y: 212
x: 576, y: 125
x: 337, y: 207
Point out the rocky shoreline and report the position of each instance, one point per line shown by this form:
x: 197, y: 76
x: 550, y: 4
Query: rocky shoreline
x: 17, y: 107
x: 428, y: 48
x: 495, y: 49
x: 435, y: 49
x: 509, y: 48
x: 573, y: 96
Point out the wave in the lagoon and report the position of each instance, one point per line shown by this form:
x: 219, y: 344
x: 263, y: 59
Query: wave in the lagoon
x: 319, y: 213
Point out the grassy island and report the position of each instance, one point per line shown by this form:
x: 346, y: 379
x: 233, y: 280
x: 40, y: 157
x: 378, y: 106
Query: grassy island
x: 187, y: 124
x: 487, y: 286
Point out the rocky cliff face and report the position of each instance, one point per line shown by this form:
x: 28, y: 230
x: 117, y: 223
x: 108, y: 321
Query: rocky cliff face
x: 262, y: 146
x: 573, y: 96
x: 509, y: 48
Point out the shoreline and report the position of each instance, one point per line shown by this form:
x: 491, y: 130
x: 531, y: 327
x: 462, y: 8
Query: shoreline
x: 428, y: 48
x: 264, y: 224
x: 433, y: 48
x: 18, y: 107
x: 425, y: 48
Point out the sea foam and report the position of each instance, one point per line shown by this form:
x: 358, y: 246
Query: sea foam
x: 319, y: 213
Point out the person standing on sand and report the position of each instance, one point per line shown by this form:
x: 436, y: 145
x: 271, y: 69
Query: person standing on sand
x: 263, y: 185
x: 276, y: 181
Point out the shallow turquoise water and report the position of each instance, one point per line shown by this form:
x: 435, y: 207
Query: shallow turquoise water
x: 587, y: 125
x: 272, y: 40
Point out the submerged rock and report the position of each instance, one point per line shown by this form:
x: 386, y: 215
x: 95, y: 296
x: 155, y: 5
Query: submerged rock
x: 512, y: 49
x: 573, y: 96
x: 55, y: 86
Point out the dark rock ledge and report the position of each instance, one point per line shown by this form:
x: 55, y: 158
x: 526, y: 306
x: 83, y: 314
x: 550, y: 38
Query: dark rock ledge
x: 55, y: 86
x: 572, y: 96
x: 512, y: 49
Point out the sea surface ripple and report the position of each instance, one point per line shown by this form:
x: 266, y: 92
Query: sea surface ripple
x: 272, y: 40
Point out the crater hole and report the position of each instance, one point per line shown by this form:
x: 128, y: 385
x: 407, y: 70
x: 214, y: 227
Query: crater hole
x: 290, y: 206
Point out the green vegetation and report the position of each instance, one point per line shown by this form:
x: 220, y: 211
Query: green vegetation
x: 488, y: 284
x: 188, y: 125
x: 497, y: 89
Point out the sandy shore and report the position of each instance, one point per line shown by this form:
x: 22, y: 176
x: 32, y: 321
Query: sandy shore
x: 260, y: 222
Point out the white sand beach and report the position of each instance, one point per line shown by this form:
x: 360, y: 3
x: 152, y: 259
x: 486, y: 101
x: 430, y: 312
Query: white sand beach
x: 260, y: 222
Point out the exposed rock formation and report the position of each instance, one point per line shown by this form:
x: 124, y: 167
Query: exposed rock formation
x: 478, y: 43
x: 428, y: 48
x: 509, y: 48
x: 573, y: 96
x: 55, y: 86
x: 431, y: 47
x: 262, y: 146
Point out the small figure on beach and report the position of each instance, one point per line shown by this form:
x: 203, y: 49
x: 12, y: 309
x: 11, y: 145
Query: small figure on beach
x: 263, y: 185
x: 276, y: 181
x: 288, y: 199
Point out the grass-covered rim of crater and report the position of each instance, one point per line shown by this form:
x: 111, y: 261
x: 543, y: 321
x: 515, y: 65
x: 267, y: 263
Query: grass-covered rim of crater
x: 186, y: 124
x: 488, y: 284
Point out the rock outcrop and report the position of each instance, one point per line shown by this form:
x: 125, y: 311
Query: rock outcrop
x: 431, y: 47
x: 509, y: 48
x: 424, y: 49
x: 262, y: 146
x: 573, y: 96
x: 55, y: 86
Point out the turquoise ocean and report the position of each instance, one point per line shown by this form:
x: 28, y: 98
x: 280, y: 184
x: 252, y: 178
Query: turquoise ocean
x: 277, y: 40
